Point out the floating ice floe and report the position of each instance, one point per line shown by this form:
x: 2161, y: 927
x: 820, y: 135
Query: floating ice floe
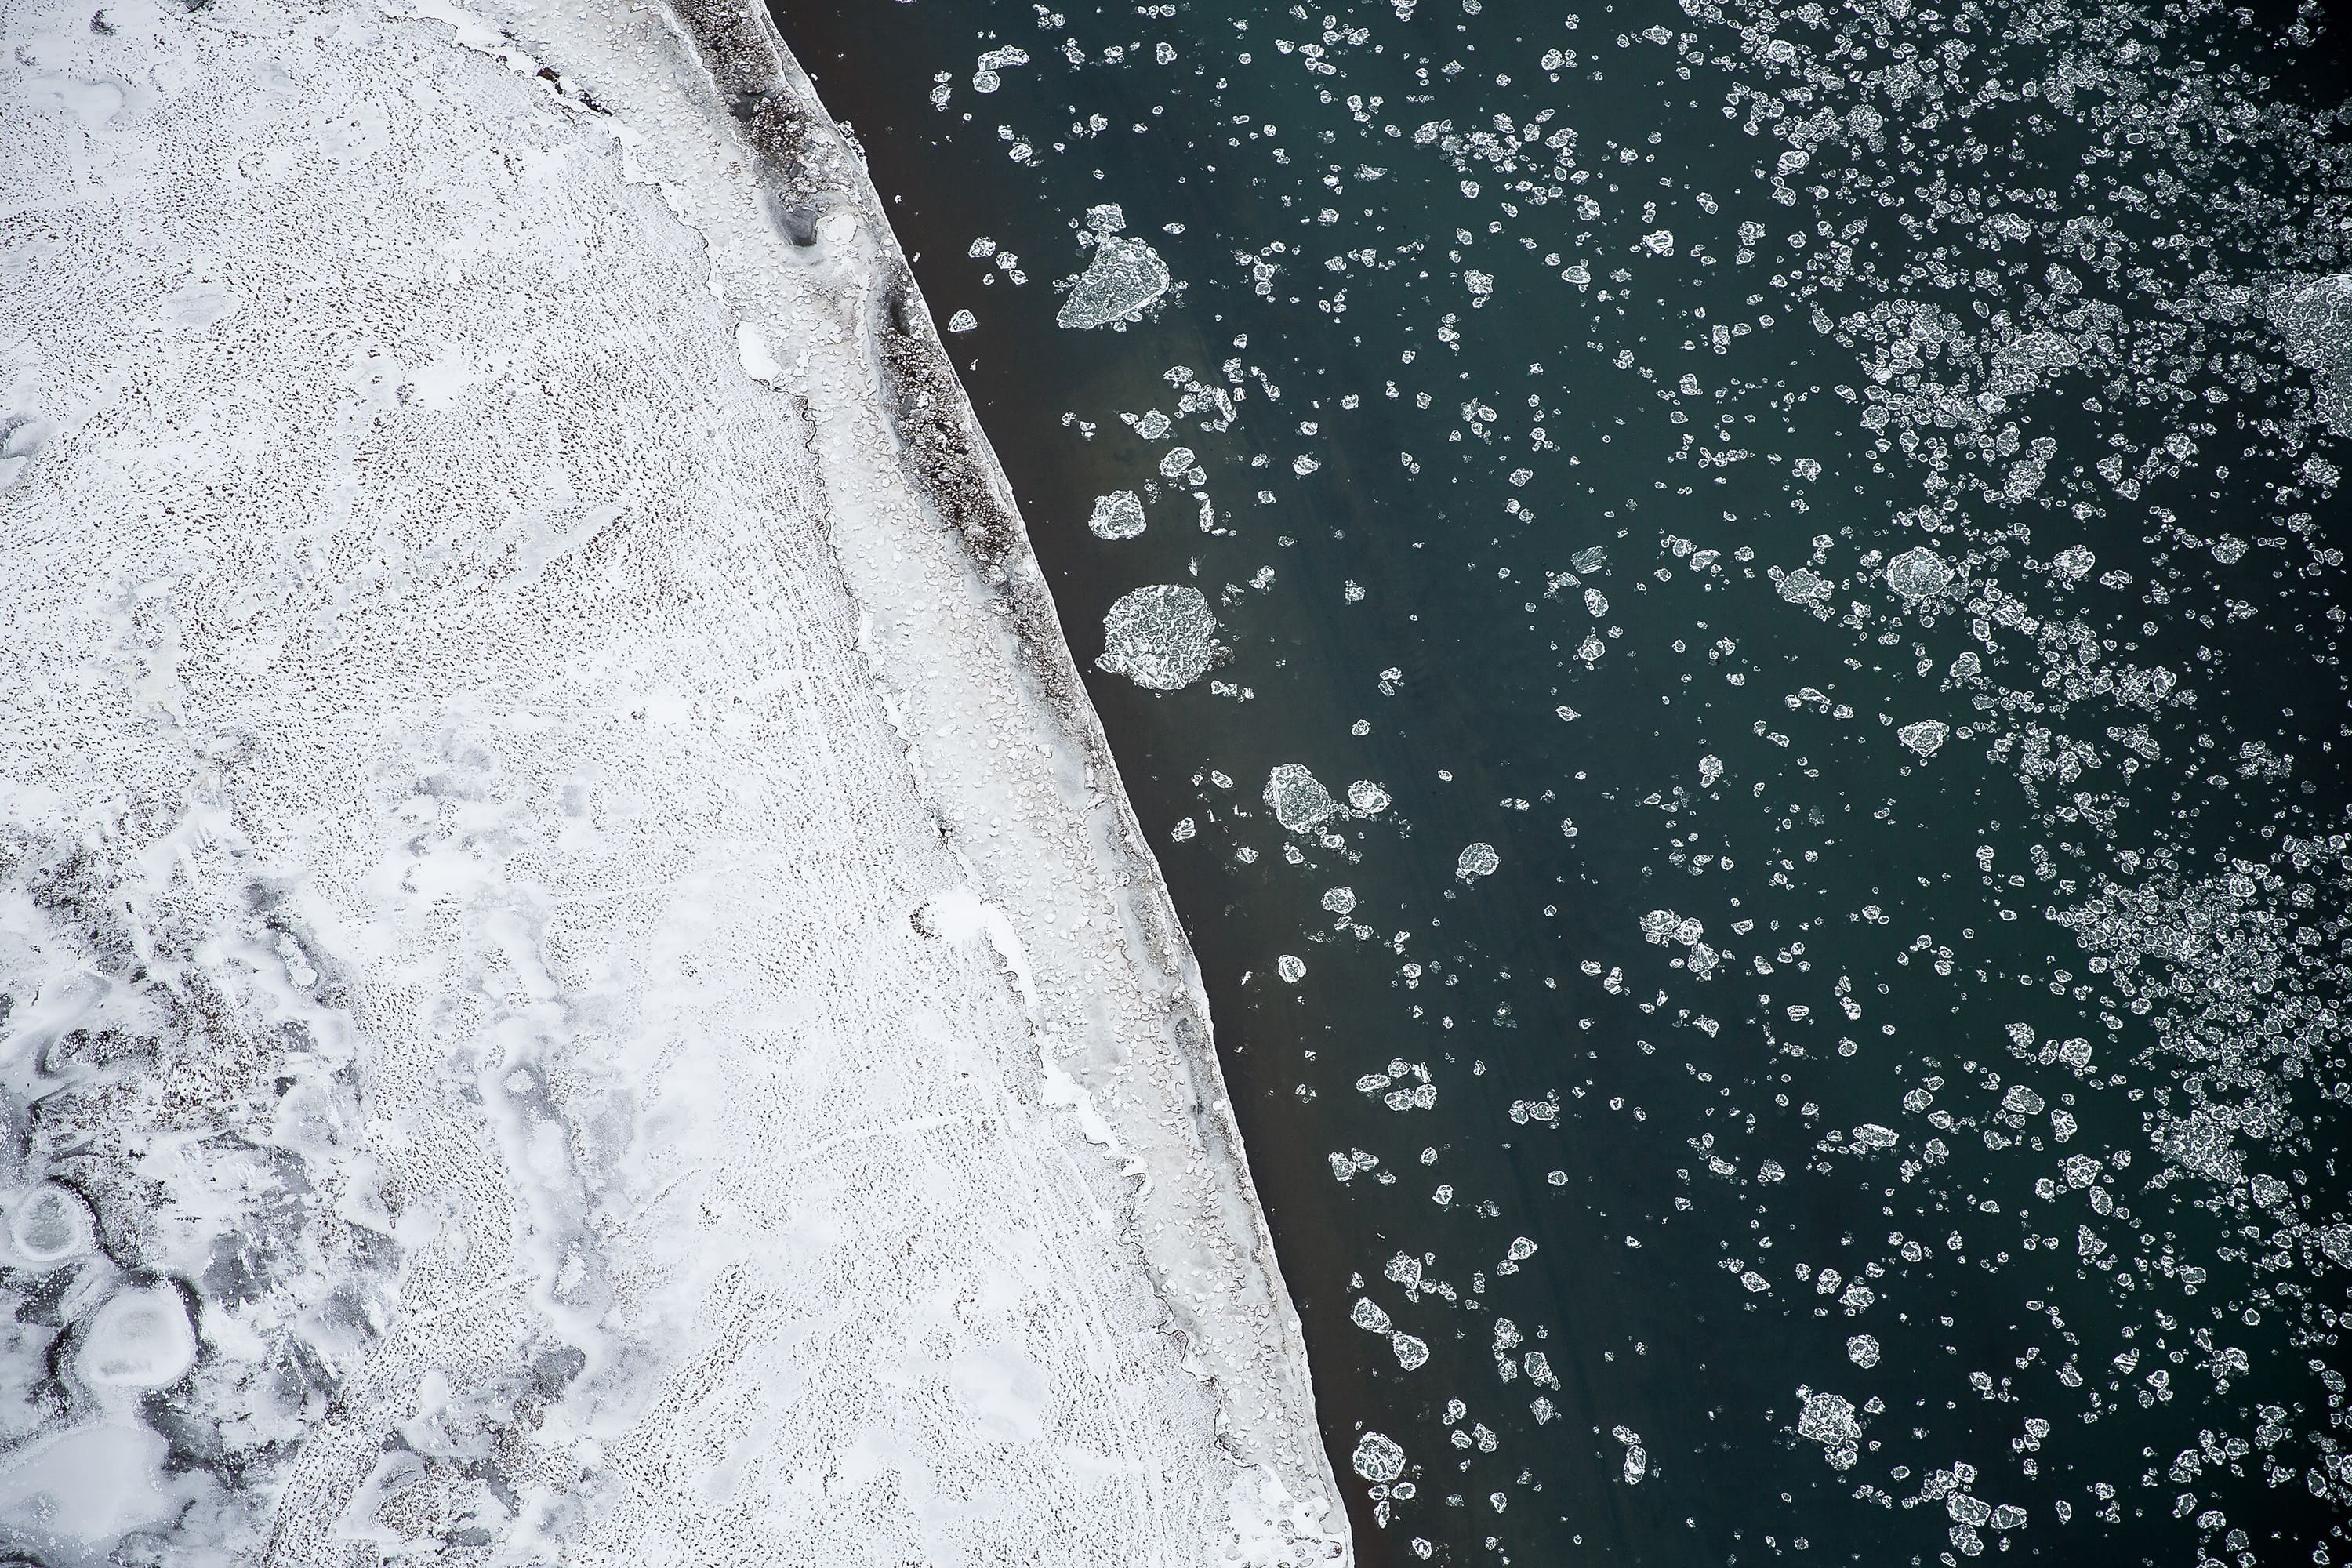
x: 1918, y: 575
x: 1366, y: 798
x: 1300, y: 801
x: 1292, y: 968
x: 2074, y: 563
x: 1637, y: 1457
x: 1829, y: 1420
x: 962, y: 321
x: 1379, y: 1457
x: 1119, y: 515
x: 1125, y: 276
x: 1477, y: 860
x: 1162, y: 637
x: 1927, y: 737
x: 1861, y: 1350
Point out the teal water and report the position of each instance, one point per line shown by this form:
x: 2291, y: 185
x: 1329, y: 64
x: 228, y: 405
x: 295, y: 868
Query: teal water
x: 1824, y: 524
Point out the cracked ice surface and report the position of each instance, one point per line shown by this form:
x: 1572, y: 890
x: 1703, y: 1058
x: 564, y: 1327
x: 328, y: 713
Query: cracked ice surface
x: 578, y: 982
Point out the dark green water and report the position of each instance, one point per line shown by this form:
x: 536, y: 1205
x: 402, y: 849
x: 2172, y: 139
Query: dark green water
x: 1969, y: 366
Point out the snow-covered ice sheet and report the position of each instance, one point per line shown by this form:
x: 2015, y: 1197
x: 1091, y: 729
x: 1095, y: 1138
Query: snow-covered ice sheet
x: 578, y: 983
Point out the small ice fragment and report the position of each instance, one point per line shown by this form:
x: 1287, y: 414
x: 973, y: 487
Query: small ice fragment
x: 1927, y: 737
x: 1378, y: 1457
x: 962, y: 321
x: 1477, y: 860
x: 1125, y: 276
x: 1291, y: 968
x: 2074, y: 563
x: 1710, y: 768
x: 1182, y: 830
x: 1367, y: 798
x: 1177, y: 459
x: 1918, y: 575
x: 1340, y: 900
x: 1590, y: 560
x: 1107, y: 219
x: 140, y: 1339
x: 1119, y: 515
x: 1367, y: 1315
x: 50, y: 1224
x: 1861, y: 1350
x: 1300, y: 803
x: 1410, y: 1351
x: 1162, y: 636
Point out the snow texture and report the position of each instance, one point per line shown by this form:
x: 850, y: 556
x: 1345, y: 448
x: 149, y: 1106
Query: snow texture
x: 579, y: 983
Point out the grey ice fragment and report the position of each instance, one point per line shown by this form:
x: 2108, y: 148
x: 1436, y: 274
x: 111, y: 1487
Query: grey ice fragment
x: 1804, y: 587
x: 1861, y: 1350
x: 1119, y: 515
x: 1125, y: 276
x: 1367, y: 798
x: 1299, y: 802
x: 1162, y: 637
x: 2074, y: 563
x: 1477, y: 860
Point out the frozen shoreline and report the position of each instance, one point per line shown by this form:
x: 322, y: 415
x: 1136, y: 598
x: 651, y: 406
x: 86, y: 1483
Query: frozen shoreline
x: 560, y: 887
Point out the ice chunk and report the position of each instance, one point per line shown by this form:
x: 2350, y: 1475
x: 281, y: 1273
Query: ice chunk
x: 2074, y: 563
x: 1477, y: 860
x: 962, y: 321
x: 1162, y: 637
x: 1366, y: 798
x: 50, y: 1224
x: 1291, y: 967
x: 1119, y: 515
x: 1300, y: 803
x: 1340, y: 900
x: 1125, y: 276
x: 1861, y: 1350
x: 140, y: 1339
x: 1918, y: 575
x: 1378, y: 1457
x: 1927, y: 737
x: 1410, y: 1351
x: 1367, y: 1315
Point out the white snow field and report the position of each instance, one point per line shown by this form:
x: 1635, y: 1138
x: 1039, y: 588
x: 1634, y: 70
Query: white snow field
x: 580, y: 985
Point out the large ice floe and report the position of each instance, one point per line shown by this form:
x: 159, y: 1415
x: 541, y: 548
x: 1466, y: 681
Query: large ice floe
x: 578, y: 983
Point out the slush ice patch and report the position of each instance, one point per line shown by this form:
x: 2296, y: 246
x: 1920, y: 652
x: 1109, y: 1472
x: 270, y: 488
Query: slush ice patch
x: 1162, y: 637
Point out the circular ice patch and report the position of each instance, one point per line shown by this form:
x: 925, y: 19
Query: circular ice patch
x: 1918, y: 575
x: 1162, y: 637
x: 1477, y: 860
x: 50, y: 1224
x: 1367, y: 798
x: 1378, y: 1457
x: 140, y: 1339
x: 1861, y: 1350
x: 1291, y: 968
